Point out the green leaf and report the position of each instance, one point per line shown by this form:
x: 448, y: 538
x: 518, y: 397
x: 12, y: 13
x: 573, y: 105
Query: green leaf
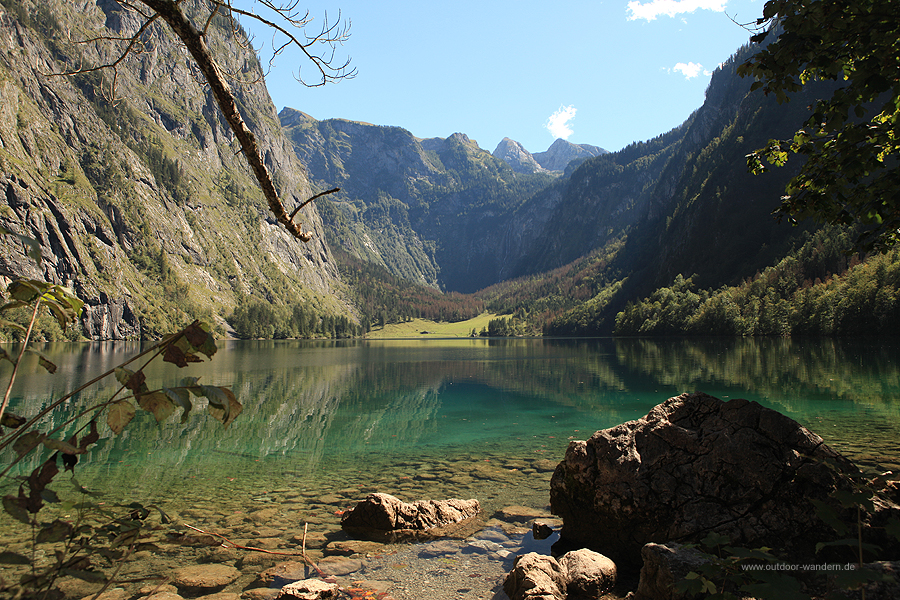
x: 28, y: 442
x: 714, y: 539
x: 56, y: 531
x: 123, y: 375
x: 28, y: 290
x: 181, y: 397
x: 49, y: 496
x: 12, y: 558
x: 33, y: 248
x: 852, y: 577
x: 64, y: 447
x: 12, y: 421
x: 91, y: 576
x: 190, y: 383
x: 62, y: 316
x: 848, y: 542
x: 14, y: 508
x: 850, y: 499
x: 830, y: 517
x: 45, y: 362
x: 83, y: 490
x: 119, y: 415
x: 892, y: 527
x: 70, y: 303
x: 774, y: 586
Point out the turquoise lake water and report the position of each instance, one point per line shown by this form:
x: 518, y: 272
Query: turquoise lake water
x: 354, y: 413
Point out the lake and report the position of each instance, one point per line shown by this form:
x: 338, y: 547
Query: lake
x: 327, y: 422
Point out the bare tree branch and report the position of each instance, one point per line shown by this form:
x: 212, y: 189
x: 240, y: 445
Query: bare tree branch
x: 330, y: 35
x: 195, y: 43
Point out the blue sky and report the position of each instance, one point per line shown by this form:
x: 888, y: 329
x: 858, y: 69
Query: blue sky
x: 604, y: 72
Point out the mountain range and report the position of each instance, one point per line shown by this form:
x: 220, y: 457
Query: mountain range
x: 140, y: 204
x: 558, y: 156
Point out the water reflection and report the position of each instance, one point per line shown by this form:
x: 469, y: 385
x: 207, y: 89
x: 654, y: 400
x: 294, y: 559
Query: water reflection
x: 311, y: 407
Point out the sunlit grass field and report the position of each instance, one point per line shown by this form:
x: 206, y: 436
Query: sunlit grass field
x: 416, y: 327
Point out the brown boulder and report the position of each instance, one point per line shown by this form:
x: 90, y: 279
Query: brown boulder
x: 588, y: 574
x: 382, y: 516
x: 692, y: 466
x: 579, y: 575
x: 536, y: 577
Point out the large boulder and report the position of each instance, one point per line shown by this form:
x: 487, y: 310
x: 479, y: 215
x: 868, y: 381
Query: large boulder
x: 578, y: 575
x: 665, y: 566
x: 696, y: 465
x: 386, y: 517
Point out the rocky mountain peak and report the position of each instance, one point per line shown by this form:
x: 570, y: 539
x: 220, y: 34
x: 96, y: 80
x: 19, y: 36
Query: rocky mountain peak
x: 516, y: 156
x: 562, y: 152
x: 291, y: 117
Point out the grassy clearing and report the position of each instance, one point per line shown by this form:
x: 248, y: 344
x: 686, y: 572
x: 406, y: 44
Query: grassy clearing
x: 416, y: 327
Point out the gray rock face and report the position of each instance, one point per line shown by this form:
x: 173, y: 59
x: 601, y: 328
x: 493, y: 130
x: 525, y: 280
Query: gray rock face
x: 516, y: 156
x: 695, y: 465
x: 128, y: 198
x: 383, y: 513
x: 562, y: 152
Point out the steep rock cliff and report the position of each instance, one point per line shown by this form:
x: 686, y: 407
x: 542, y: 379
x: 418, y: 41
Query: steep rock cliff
x: 516, y: 156
x: 562, y: 152
x: 139, y: 201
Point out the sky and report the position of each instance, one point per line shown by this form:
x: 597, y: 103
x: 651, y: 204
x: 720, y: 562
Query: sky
x: 601, y: 72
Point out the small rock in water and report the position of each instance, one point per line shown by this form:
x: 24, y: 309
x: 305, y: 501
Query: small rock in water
x: 199, y: 579
x: 351, y: 547
x: 544, y: 465
x: 309, y: 589
x: 439, y: 548
x: 541, y: 531
x: 283, y: 574
x: 261, y: 594
x: 521, y: 514
x: 494, y: 534
x: 484, y: 546
x: 335, y: 565
x: 162, y: 596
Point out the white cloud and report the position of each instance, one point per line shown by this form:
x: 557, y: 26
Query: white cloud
x: 558, y: 123
x: 690, y: 70
x: 654, y: 8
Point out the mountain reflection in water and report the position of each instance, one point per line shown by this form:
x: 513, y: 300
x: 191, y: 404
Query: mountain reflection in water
x: 316, y: 408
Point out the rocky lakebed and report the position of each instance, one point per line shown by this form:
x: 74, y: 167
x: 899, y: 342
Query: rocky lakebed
x: 646, y: 494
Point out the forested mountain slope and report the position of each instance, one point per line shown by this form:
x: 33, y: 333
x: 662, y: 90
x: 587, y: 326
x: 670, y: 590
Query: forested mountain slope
x: 142, y: 204
x: 435, y: 211
x: 684, y: 201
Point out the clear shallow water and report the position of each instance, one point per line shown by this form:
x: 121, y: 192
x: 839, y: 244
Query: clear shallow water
x: 311, y: 408
x: 325, y: 423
